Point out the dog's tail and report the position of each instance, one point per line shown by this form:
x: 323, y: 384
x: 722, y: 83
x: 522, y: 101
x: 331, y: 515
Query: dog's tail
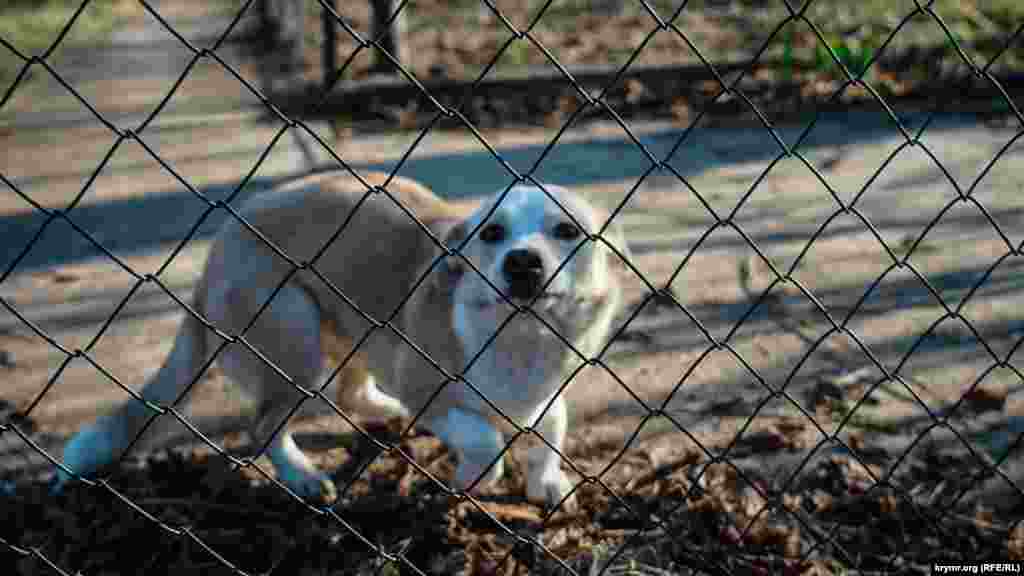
x: 104, y: 441
x: 308, y: 156
x: 312, y: 162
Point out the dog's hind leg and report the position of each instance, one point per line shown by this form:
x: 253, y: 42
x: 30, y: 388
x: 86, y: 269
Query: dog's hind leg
x: 103, y: 442
x: 357, y: 388
x: 287, y: 334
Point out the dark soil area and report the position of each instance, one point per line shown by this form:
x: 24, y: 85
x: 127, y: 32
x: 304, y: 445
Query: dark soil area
x: 185, y: 512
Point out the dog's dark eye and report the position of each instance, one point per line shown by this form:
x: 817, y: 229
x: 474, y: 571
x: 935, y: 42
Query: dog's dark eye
x: 566, y: 231
x: 492, y: 233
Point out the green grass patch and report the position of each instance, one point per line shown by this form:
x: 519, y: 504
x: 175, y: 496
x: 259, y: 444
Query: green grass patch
x: 841, y: 409
x: 851, y: 33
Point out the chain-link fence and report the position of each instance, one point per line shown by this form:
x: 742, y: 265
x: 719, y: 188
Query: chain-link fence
x: 845, y: 502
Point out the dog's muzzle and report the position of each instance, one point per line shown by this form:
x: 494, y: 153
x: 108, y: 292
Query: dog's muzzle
x: 524, y: 272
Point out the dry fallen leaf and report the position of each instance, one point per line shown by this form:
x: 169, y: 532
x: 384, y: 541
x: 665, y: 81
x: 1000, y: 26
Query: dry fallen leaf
x: 792, y: 502
x: 791, y: 425
x: 782, y: 538
x: 855, y: 440
x: 823, y: 501
x: 634, y: 90
x: 820, y: 88
x: 1015, y: 543
x: 984, y: 518
x: 408, y: 116
x: 888, y: 504
x: 709, y: 88
x: 506, y: 512
x: 680, y: 110
x: 565, y: 107
x: 751, y: 504
x: 765, y: 440
x: 791, y: 543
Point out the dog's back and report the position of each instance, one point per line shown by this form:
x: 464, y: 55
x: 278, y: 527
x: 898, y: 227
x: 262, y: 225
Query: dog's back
x: 373, y: 265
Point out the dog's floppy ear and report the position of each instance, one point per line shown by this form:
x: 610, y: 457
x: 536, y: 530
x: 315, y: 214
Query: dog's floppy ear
x: 451, y: 268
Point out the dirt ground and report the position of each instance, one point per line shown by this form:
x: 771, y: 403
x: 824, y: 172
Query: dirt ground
x: 747, y: 425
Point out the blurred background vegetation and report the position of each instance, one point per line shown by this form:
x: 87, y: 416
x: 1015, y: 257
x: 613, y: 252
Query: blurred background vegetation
x: 462, y: 36
x: 32, y: 26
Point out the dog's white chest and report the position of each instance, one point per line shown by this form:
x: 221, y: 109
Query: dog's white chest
x: 517, y: 371
x: 516, y: 385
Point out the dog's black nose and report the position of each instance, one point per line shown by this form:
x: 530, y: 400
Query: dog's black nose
x: 524, y: 272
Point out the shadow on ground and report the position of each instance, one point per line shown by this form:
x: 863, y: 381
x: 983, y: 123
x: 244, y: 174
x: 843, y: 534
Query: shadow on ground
x: 140, y: 224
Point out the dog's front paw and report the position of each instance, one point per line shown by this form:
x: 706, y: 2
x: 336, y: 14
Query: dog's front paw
x: 314, y: 487
x: 476, y: 445
x: 88, y: 451
x: 549, y: 488
x: 476, y: 474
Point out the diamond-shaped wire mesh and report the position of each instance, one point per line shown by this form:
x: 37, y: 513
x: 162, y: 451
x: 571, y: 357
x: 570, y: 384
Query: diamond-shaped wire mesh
x: 704, y: 512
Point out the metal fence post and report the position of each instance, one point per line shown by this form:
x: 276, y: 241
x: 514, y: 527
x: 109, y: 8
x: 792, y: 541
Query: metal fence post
x: 387, y: 30
x: 284, y: 27
x: 330, y: 47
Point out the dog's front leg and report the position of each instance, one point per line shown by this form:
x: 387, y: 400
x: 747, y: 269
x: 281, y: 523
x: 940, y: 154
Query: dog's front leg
x: 297, y: 472
x: 545, y: 482
x: 477, y: 446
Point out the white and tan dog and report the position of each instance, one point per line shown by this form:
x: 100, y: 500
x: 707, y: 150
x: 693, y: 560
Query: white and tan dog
x: 518, y: 245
